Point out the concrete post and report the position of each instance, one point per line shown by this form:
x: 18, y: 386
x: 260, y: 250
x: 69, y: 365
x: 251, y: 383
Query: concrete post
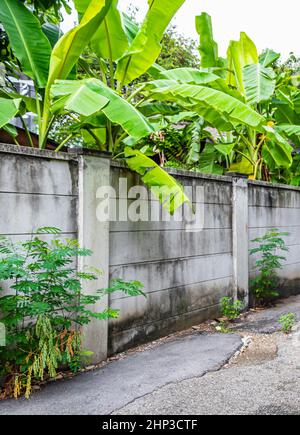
x: 240, y: 239
x: 92, y: 234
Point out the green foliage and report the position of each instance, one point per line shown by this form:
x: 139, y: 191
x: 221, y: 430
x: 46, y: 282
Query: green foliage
x: 48, y: 10
x: 230, y: 308
x: 164, y: 187
x: 177, y: 51
x: 46, y: 308
x: 264, y: 286
x: 287, y: 321
x: 223, y: 328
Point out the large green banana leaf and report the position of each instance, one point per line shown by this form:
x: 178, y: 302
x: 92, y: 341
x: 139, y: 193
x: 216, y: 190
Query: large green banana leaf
x: 131, y: 28
x: 199, y: 77
x: 208, y: 48
x: 208, y: 98
x: 289, y: 130
x: 81, y: 6
x: 118, y: 110
x: 189, y: 75
x: 30, y: 103
x: 29, y: 43
x: 145, y: 48
x: 268, y: 57
x: 277, y: 148
x: 8, y: 110
x: 111, y: 41
x: 240, y: 54
x: 163, y: 185
x: 259, y: 83
x: 52, y: 32
x: 207, y: 161
x: 80, y: 98
x: 68, y: 49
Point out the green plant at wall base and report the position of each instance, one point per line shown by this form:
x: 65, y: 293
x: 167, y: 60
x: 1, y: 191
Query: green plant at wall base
x: 46, y: 308
x: 287, y: 321
x: 230, y: 308
x: 265, y: 285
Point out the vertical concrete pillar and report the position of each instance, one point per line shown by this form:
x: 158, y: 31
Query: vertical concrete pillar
x: 240, y: 239
x: 94, y: 173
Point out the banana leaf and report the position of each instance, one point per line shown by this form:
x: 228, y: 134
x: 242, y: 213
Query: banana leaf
x: 163, y: 185
x: 8, y: 110
x: 268, y: 57
x: 189, y: 75
x: 145, y: 47
x: 67, y: 51
x: 111, y: 40
x: 207, y: 98
x: 118, y: 110
x: 289, y: 130
x: 29, y: 44
x: 259, y: 83
x: 277, y: 148
x: 240, y: 54
x: 208, y: 47
x: 80, y: 99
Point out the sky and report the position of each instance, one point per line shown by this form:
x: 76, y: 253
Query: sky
x: 270, y: 23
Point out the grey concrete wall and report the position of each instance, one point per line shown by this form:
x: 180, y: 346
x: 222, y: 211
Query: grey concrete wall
x: 37, y: 189
x: 184, y: 273
x: 277, y: 207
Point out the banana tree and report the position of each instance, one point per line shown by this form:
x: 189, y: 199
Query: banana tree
x: 237, y: 97
x: 106, y: 103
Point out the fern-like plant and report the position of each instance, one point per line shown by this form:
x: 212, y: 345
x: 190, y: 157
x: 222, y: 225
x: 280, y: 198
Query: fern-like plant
x: 46, y: 307
x: 265, y: 285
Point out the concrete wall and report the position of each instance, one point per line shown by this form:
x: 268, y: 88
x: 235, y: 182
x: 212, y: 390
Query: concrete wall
x: 277, y: 207
x: 185, y: 273
x: 37, y: 190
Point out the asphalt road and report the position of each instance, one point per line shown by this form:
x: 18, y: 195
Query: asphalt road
x: 271, y: 388
x: 119, y: 383
x: 189, y: 375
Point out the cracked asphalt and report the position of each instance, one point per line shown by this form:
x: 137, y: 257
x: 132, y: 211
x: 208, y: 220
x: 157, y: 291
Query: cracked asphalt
x: 196, y: 374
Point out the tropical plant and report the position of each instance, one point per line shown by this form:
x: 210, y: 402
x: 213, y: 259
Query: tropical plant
x: 46, y: 308
x: 103, y: 108
x: 243, y: 99
x: 264, y: 285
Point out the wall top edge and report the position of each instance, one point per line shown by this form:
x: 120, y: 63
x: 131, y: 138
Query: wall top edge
x: 73, y: 155
x: 180, y: 172
x: 35, y: 152
x: 273, y: 185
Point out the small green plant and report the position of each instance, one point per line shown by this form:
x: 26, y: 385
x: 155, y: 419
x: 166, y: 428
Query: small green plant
x: 287, y: 321
x: 46, y: 308
x: 230, y: 308
x: 222, y: 328
x: 264, y: 286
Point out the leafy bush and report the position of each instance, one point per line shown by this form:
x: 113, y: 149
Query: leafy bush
x: 46, y: 308
x: 287, y: 321
x: 264, y: 286
x: 230, y: 308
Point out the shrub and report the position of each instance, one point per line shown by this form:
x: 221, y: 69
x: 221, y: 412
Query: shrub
x: 287, y: 321
x: 264, y: 286
x: 46, y: 309
x: 230, y: 308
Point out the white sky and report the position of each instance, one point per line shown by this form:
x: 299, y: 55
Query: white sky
x: 270, y: 23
